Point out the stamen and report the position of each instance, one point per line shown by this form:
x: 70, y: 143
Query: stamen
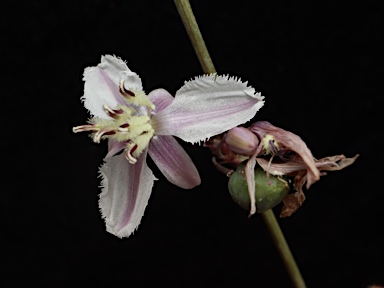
x: 82, y: 128
x: 101, y: 133
x: 123, y: 130
x: 272, y: 147
x: 125, y: 92
x: 123, y: 127
x: 128, y: 153
x: 111, y: 112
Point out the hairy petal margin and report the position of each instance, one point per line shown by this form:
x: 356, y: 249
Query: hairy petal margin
x: 125, y: 193
x: 207, y: 106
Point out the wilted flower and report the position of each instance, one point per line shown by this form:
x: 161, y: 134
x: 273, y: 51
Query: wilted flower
x: 137, y: 124
x: 278, y: 152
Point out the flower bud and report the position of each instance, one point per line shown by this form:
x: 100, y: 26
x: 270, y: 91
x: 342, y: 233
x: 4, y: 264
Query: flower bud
x: 241, y: 141
x: 268, y: 192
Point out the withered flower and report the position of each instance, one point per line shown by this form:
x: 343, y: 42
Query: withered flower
x: 279, y: 153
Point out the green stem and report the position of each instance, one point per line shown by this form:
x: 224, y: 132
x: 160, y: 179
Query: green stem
x: 283, y: 248
x: 190, y: 24
x: 189, y: 21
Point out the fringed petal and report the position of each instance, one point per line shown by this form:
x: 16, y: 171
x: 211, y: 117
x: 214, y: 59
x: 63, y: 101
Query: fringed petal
x: 292, y: 202
x: 125, y: 193
x: 174, y: 162
x: 207, y: 106
x: 102, y: 84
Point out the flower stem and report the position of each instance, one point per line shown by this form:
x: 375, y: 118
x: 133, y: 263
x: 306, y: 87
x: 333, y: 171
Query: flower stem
x: 283, y: 248
x: 190, y: 24
x: 189, y: 21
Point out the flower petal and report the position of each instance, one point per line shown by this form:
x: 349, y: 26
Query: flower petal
x: 161, y: 98
x: 102, y: 84
x: 114, y: 147
x: 291, y: 142
x: 330, y: 163
x: 207, y: 106
x: 250, y: 178
x: 125, y: 193
x: 173, y: 162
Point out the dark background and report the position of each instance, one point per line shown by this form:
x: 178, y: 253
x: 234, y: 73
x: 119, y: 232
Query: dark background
x: 319, y: 67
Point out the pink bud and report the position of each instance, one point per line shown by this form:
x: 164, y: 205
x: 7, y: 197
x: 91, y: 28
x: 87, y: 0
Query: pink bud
x: 241, y: 141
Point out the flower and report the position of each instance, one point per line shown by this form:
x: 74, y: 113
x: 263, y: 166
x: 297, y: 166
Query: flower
x: 139, y: 124
x: 278, y: 152
x: 293, y: 159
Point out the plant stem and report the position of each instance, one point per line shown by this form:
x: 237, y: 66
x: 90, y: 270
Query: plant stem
x: 189, y: 21
x: 190, y: 24
x: 283, y: 248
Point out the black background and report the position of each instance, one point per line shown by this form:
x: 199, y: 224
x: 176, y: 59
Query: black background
x: 319, y: 66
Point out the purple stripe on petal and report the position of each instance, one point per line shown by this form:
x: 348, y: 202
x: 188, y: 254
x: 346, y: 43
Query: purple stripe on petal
x: 99, y: 90
x: 207, y: 106
x: 102, y: 84
x: 113, y: 87
x: 114, y: 147
x: 161, y: 98
x: 173, y: 162
x: 125, y: 193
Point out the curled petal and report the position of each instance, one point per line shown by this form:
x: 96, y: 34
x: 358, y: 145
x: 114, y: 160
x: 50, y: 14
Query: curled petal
x: 125, y: 193
x: 250, y: 178
x: 102, y: 84
x: 161, y: 98
x: 118, y: 70
x: 333, y: 163
x: 207, y: 106
x: 330, y: 163
x: 292, y: 202
x: 291, y: 142
x: 173, y: 162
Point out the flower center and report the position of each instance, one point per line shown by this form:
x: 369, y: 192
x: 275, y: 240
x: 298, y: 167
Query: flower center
x: 129, y: 124
x: 270, y: 145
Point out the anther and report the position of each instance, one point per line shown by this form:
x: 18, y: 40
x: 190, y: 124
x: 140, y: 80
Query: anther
x: 272, y: 147
x: 123, y: 128
x: 128, y: 153
x: 102, y: 132
x: 125, y: 92
x: 82, y: 128
x: 111, y: 112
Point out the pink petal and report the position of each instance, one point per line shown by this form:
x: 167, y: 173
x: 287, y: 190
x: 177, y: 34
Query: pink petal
x: 125, y: 193
x: 102, y: 84
x: 114, y: 147
x: 250, y: 178
x: 208, y: 106
x: 292, y: 142
x: 173, y: 162
x: 161, y: 98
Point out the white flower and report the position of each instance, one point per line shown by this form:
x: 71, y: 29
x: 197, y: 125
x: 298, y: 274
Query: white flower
x: 137, y: 124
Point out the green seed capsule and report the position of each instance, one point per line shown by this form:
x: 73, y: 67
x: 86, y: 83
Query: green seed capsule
x: 267, y: 196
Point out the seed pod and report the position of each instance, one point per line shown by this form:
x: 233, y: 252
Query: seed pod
x: 268, y: 193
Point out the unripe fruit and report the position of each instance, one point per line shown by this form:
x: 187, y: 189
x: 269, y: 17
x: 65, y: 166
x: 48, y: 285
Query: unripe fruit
x: 268, y: 193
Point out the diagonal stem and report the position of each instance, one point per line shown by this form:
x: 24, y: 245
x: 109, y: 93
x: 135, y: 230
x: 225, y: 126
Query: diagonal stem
x: 190, y: 24
x: 189, y: 21
x: 283, y: 248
